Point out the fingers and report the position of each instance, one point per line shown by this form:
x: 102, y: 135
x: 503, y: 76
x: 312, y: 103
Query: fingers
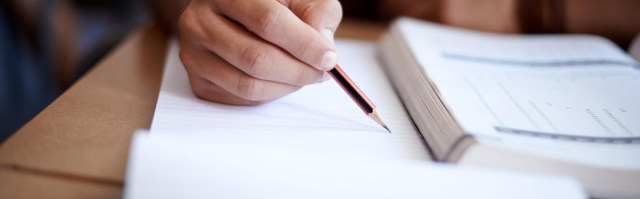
x: 251, y: 52
x: 277, y: 24
x: 248, y: 52
x: 211, y: 67
x: 206, y: 90
x: 323, y: 15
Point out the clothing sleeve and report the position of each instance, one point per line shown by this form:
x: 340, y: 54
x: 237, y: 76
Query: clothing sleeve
x: 367, y: 9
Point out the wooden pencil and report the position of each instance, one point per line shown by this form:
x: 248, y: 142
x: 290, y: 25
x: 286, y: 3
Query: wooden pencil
x: 356, y: 95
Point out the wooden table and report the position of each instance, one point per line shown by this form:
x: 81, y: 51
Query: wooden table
x: 78, y: 146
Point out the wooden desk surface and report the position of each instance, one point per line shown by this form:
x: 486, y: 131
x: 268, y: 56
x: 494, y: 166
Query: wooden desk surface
x: 78, y: 146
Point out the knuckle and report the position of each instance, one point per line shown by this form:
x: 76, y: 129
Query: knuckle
x: 267, y: 19
x: 250, y: 89
x: 335, y: 7
x: 189, y: 24
x: 186, y: 22
x: 252, y: 58
x: 199, y: 91
x: 185, y: 57
x: 325, y: 11
x: 199, y: 88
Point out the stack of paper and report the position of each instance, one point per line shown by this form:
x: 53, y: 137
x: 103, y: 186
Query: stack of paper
x: 196, y: 165
x: 315, y: 143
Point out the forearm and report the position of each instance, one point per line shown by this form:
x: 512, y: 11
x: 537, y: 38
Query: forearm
x: 168, y: 12
x: 618, y: 20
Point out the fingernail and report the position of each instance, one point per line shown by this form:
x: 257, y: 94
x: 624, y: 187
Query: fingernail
x: 329, y: 60
x: 329, y: 35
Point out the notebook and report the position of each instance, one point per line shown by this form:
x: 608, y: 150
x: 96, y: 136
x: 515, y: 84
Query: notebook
x: 320, y: 112
x: 169, y: 164
x: 545, y: 104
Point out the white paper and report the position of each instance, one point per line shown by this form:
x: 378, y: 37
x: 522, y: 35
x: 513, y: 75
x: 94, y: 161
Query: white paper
x: 314, y: 143
x: 322, y: 112
x: 569, y: 97
x: 196, y: 165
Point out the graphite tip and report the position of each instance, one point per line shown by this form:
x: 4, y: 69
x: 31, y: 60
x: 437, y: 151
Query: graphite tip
x: 385, y: 127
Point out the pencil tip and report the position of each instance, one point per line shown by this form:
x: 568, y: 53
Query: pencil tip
x: 374, y: 115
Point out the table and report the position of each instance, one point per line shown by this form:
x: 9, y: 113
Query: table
x: 78, y: 146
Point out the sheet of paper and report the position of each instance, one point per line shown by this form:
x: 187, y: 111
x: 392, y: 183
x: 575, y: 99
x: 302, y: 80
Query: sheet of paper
x: 570, y: 97
x: 322, y: 112
x: 205, y: 165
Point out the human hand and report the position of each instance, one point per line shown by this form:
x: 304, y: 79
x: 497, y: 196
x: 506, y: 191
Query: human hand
x: 249, y: 52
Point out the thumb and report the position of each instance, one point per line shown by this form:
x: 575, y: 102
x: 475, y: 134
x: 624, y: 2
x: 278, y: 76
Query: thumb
x: 323, y: 15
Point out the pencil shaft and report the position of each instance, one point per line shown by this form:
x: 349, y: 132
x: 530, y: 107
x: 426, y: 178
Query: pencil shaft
x: 352, y: 90
x: 357, y: 95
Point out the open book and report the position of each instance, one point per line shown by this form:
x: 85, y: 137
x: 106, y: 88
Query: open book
x: 565, y: 104
x: 545, y: 104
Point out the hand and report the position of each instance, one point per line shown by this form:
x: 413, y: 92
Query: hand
x: 248, y: 52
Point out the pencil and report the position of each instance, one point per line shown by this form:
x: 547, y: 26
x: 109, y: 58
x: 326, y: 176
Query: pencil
x: 357, y: 95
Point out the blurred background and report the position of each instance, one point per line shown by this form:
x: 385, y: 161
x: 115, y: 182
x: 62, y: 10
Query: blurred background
x: 46, y: 45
